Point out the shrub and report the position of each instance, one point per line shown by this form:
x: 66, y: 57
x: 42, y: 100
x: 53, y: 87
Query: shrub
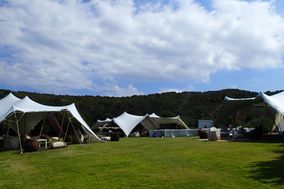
x: 265, y: 123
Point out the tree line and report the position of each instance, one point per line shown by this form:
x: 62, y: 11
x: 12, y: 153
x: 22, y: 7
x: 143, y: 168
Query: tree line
x: 191, y: 106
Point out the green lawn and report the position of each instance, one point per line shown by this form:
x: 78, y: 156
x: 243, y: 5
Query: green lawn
x: 148, y: 163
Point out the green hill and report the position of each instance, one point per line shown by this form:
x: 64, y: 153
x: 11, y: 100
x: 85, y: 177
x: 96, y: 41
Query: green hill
x: 191, y: 106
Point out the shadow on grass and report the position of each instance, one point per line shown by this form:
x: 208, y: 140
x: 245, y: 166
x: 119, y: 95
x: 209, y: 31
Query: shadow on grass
x: 270, y: 172
x: 263, y: 139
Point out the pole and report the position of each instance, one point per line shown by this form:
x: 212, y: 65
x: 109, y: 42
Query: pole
x: 76, y: 133
x: 42, y: 126
x: 74, y: 129
x: 66, y: 131
x: 61, y: 125
x: 18, y: 130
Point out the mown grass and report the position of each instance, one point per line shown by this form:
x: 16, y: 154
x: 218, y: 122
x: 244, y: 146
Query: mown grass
x: 148, y: 163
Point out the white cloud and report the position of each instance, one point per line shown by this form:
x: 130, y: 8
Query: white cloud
x: 115, y: 90
x: 171, y: 90
x: 178, y: 90
x: 62, y: 45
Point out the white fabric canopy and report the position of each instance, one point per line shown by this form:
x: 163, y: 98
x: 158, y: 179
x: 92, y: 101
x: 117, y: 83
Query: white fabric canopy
x: 153, y: 115
x: 101, y: 123
x: 5, y: 105
x: 11, y: 104
x: 231, y: 105
x: 127, y: 122
x: 105, y: 121
x: 275, y: 101
x: 156, y: 121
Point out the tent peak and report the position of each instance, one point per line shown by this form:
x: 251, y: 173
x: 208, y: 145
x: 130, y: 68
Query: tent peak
x: 71, y: 105
x: 227, y: 98
x: 26, y: 97
x: 261, y: 93
x: 11, y: 96
x: 154, y: 115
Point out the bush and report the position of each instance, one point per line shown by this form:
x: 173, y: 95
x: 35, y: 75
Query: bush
x: 266, y: 124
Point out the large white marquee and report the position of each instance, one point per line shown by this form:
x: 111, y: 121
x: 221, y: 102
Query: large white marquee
x: 12, y: 107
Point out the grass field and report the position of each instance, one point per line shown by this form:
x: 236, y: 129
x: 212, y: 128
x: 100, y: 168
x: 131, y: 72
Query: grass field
x: 148, y: 163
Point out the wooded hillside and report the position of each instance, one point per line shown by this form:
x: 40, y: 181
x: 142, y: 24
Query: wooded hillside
x: 191, y: 106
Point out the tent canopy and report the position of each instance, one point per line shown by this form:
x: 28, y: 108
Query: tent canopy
x: 127, y: 122
x: 232, y: 105
x: 11, y: 104
x: 156, y: 121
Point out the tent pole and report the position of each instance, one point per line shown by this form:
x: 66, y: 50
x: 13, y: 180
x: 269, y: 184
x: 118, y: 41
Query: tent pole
x: 24, y: 124
x: 75, y: 132
x: 74, y: 129
x: 61, y: 125
x: 43, y: 124
x: 103, y: 127
x: 18, y: 130
x: 66, y: 132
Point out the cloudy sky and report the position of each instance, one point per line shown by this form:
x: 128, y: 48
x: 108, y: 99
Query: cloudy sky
x: 126, y: 47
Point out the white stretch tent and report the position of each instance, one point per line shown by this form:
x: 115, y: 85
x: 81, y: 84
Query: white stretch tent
x: 127, y: 122
x: 11, y: 105
x: 102, y: 123
x: 231, y: 105
x: 154, y: 121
